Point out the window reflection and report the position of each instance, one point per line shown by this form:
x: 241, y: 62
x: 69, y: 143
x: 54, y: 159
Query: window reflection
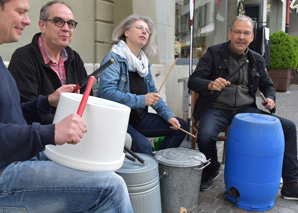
x: 209, y: 26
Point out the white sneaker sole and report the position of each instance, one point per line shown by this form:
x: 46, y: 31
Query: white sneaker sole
x: 289, y: 198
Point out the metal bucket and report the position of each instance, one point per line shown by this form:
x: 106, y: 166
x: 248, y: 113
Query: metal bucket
x: 180, y: 172
x: 143, y: 184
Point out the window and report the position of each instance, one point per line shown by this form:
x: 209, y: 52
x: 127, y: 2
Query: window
x: 209, y: 26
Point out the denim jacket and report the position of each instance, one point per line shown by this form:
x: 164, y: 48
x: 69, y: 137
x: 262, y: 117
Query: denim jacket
x: 114, y: 86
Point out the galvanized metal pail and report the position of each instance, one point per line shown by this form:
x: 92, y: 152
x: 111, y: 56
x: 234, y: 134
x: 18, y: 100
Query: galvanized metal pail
x: 180, y: 172
x: 143, y: 184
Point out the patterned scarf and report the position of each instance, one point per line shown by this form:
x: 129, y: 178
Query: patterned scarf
x: 135, y: 64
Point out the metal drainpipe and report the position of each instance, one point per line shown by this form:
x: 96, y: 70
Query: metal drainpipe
x: 287, y: 16
x: 227, y: 25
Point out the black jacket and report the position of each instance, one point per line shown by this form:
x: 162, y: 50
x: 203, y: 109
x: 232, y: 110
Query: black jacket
x: 34, y: 77
x: 214, y: 64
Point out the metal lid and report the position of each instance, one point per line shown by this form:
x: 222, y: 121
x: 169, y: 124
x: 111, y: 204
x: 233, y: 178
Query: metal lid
x: 180, y: 157
x: 135, y: 173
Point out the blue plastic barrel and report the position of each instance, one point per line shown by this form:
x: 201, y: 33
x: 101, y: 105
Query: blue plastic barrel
x: 254, y: 157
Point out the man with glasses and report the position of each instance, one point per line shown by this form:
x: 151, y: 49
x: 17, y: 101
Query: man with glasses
x: 28, y: 181
x: 45, y: 64
x: 236, y: 95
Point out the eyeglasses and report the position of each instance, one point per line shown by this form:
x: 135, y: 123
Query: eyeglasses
x: 60, y: 22
x: 139, y: 27
x: 238, y: 33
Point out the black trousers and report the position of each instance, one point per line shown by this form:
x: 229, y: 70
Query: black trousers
x: 214, y: 120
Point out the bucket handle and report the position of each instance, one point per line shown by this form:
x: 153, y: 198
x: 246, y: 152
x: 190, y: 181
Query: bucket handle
x: 203, y: 167
x: 206, y: 163
x: 166, y: 172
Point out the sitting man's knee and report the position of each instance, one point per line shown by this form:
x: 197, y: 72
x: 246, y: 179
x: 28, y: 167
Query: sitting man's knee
x: 206, y: 135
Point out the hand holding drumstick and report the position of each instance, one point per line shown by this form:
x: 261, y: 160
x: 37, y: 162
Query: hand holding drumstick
x: 176, y: 125
x: 268, y: 103
x: 151, y: 99
x: 173, y: 121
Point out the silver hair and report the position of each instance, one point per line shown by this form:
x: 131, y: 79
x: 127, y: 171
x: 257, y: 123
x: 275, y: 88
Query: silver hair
x: 242, y: 18
x: 150, y: 48
x: 44, y: 11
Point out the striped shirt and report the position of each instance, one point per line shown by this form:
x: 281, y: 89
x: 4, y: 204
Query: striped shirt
x: 59, y: 68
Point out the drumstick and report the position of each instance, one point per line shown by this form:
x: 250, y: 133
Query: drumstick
x: 130, y: 157
x: 95, y: 74
x: 263, y: 97
x: 85, y: 96
x: 187, y: 132
x: 135, y: 155
x: 168, y: 74
x: 266, y: 102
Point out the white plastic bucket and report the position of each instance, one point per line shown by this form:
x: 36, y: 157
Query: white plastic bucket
x: 101, y: 148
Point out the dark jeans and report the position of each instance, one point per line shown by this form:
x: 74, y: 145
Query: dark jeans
x: 152, y: 125
x: 213, y: 121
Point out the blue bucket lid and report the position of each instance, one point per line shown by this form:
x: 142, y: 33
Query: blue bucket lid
x: 256, y: 118
x: 181, y: 157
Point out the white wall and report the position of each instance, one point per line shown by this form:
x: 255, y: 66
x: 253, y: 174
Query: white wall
x: 83, y: 38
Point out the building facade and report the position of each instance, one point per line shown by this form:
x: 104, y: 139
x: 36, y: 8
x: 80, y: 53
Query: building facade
x: 212, y: 18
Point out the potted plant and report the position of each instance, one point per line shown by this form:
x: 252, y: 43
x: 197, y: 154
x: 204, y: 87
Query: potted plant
x: 283, y: 59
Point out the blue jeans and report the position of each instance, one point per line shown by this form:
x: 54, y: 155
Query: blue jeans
x: 213, y: 121
x: 40, y: 185
x: 153, y: 125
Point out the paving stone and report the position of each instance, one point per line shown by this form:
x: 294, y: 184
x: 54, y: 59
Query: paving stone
x: 223, y: 210
x: 207, y: 207
x: 285, y: 210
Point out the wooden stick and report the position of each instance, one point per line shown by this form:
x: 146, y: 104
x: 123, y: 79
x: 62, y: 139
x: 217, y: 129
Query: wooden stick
x: 266, y: 102
x: 167, y: 75
x: 135, y: 155
x: 263, y: 97
x: 187, y: 132
x: 162, y: 86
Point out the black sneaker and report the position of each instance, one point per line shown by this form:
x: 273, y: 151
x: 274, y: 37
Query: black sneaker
x: 290, y: 192
x: 207, y: 180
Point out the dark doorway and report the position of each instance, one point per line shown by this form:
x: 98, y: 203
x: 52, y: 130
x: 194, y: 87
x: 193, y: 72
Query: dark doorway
x: 253, y: 11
